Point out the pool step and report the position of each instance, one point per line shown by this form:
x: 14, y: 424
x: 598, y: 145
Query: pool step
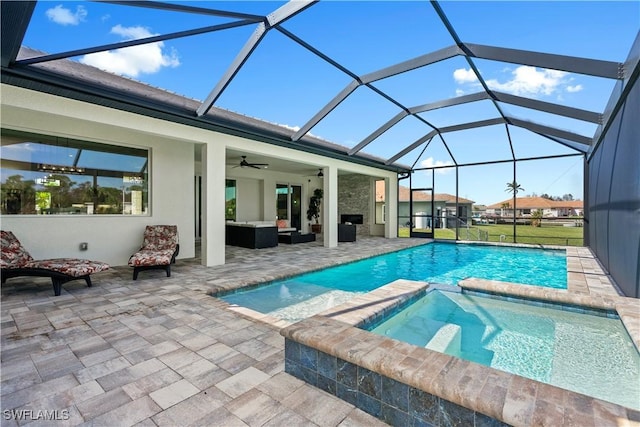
x: 447, y: 339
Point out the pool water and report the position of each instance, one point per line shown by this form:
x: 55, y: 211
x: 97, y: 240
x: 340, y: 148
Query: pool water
x: 302, y: 296
x: 584, y: 353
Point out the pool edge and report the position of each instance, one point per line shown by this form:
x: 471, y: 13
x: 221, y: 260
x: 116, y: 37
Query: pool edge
x: 334, y: 337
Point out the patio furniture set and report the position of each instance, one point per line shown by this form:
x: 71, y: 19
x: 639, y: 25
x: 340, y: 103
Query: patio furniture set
x: 264, y: 234
x: 158, y: 251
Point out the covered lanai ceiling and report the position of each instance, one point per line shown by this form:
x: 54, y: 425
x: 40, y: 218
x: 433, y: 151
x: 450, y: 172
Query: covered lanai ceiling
x: 387, y: 83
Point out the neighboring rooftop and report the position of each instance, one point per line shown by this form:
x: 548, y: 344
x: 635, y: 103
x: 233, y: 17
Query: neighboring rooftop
x: 418, y: 196
x: 538, y: 203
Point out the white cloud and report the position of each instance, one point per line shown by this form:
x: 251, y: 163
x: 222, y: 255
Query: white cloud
x: 524, y: 80
x: 531, y: 81
x: 131, y: 33
x: 430, y: 162
x: 63, y: 16
x: 293, y: 128
x: 134, y: 60
x: 462, y: 75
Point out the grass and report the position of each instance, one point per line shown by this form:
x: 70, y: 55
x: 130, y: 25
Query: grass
x: 545, y: 235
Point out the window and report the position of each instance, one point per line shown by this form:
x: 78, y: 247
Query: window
x: 380, y: 202
x: 230, y: 200
x: 288, y: 204
x: 282, y: 201
x: 45, y: 175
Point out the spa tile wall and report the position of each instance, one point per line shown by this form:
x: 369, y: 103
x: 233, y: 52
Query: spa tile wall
x: 393, y: 402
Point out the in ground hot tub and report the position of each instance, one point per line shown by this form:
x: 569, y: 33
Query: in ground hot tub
x: 408, y: 384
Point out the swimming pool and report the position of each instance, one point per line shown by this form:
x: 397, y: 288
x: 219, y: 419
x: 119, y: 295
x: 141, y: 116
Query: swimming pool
x: 585, y: 353
x: 301, y: 296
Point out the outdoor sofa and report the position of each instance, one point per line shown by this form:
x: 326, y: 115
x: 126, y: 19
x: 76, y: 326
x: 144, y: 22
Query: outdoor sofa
x: 252, y: 234
x: 294, y: 237
x: 16, y: 262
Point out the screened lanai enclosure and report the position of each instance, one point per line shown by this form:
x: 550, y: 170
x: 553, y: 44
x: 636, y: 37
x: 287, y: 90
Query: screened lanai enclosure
x: 504, y: 121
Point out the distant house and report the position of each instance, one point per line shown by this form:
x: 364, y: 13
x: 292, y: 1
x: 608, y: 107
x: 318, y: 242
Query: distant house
x: 444, y: 207
x: 525, y: 206
x: 479, y: 209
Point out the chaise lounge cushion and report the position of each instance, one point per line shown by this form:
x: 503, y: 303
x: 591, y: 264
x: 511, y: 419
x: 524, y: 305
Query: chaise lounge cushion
x: 13, y: 254
x: 146, y: 257
x: 16, y: 261
x: 70, y: 266
x: 159, y: 249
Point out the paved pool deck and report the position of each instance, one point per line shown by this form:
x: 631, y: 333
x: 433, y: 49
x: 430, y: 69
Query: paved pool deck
x: 162, y: 352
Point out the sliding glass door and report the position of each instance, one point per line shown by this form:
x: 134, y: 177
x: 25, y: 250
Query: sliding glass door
x: 289, y: 204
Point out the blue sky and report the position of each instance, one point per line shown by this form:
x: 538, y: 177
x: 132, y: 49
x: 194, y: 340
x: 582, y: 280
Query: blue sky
x: 284, y: 83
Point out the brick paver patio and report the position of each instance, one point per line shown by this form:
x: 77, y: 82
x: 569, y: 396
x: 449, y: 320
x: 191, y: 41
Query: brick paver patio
x: 162, y: 351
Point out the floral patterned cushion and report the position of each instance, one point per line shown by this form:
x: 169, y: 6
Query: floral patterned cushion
x: 149, y: 258
x: 157, y: 237
x: 159, y: 245
x: 69, y: 266
x: 13, y: 254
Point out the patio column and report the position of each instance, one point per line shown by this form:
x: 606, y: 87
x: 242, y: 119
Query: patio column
x: 391, y: 201
x: 269, y: 199
x: 213, y: 202
x: 330, y: 207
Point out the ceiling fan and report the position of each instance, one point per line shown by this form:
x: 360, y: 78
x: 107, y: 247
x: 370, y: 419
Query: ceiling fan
x: 245, y: 164
x: 320, y: 174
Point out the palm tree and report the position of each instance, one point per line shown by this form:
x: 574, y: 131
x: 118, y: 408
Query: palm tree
x: 513, y: 187
x: 504, y: 207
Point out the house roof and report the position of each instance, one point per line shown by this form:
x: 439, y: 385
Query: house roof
x: 112, y: 90
x: 539, y: 203
x: 418, y: 196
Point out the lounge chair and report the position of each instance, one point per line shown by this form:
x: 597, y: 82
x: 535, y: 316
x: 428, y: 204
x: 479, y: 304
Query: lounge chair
x: 16, y: 261
x: 159, y: 249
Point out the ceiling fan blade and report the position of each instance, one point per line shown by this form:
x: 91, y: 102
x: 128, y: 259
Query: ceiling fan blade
x: 251, y: 165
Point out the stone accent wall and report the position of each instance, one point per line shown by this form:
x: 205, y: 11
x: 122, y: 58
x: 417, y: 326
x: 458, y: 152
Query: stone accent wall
x: 354, y: 197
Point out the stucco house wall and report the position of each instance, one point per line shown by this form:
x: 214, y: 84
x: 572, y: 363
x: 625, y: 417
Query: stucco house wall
x: 110, y: 238
x: 173, y: 148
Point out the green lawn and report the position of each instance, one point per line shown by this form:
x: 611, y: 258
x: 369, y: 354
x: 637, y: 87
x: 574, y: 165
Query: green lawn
x: 546, y: 235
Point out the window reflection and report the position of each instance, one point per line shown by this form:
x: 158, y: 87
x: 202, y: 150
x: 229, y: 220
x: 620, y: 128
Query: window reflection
x: 230, y: 200
x: 44, y: 175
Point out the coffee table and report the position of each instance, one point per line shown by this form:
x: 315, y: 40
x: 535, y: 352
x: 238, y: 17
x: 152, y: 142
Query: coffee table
x: 294, y: 237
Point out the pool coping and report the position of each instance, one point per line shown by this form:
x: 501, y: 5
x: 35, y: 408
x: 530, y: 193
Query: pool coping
x: 511, y: 398
x: 502, y: 396
x: 585, y: 277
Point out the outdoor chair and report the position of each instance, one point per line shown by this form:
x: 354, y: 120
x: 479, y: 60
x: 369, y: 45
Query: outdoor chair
x: 159, y: 249
x: 16, y: 261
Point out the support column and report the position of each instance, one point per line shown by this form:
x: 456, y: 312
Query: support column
x: 213, y: 202
x: 330, y: 207
x: 391, y: 201
x: 268, y: 199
